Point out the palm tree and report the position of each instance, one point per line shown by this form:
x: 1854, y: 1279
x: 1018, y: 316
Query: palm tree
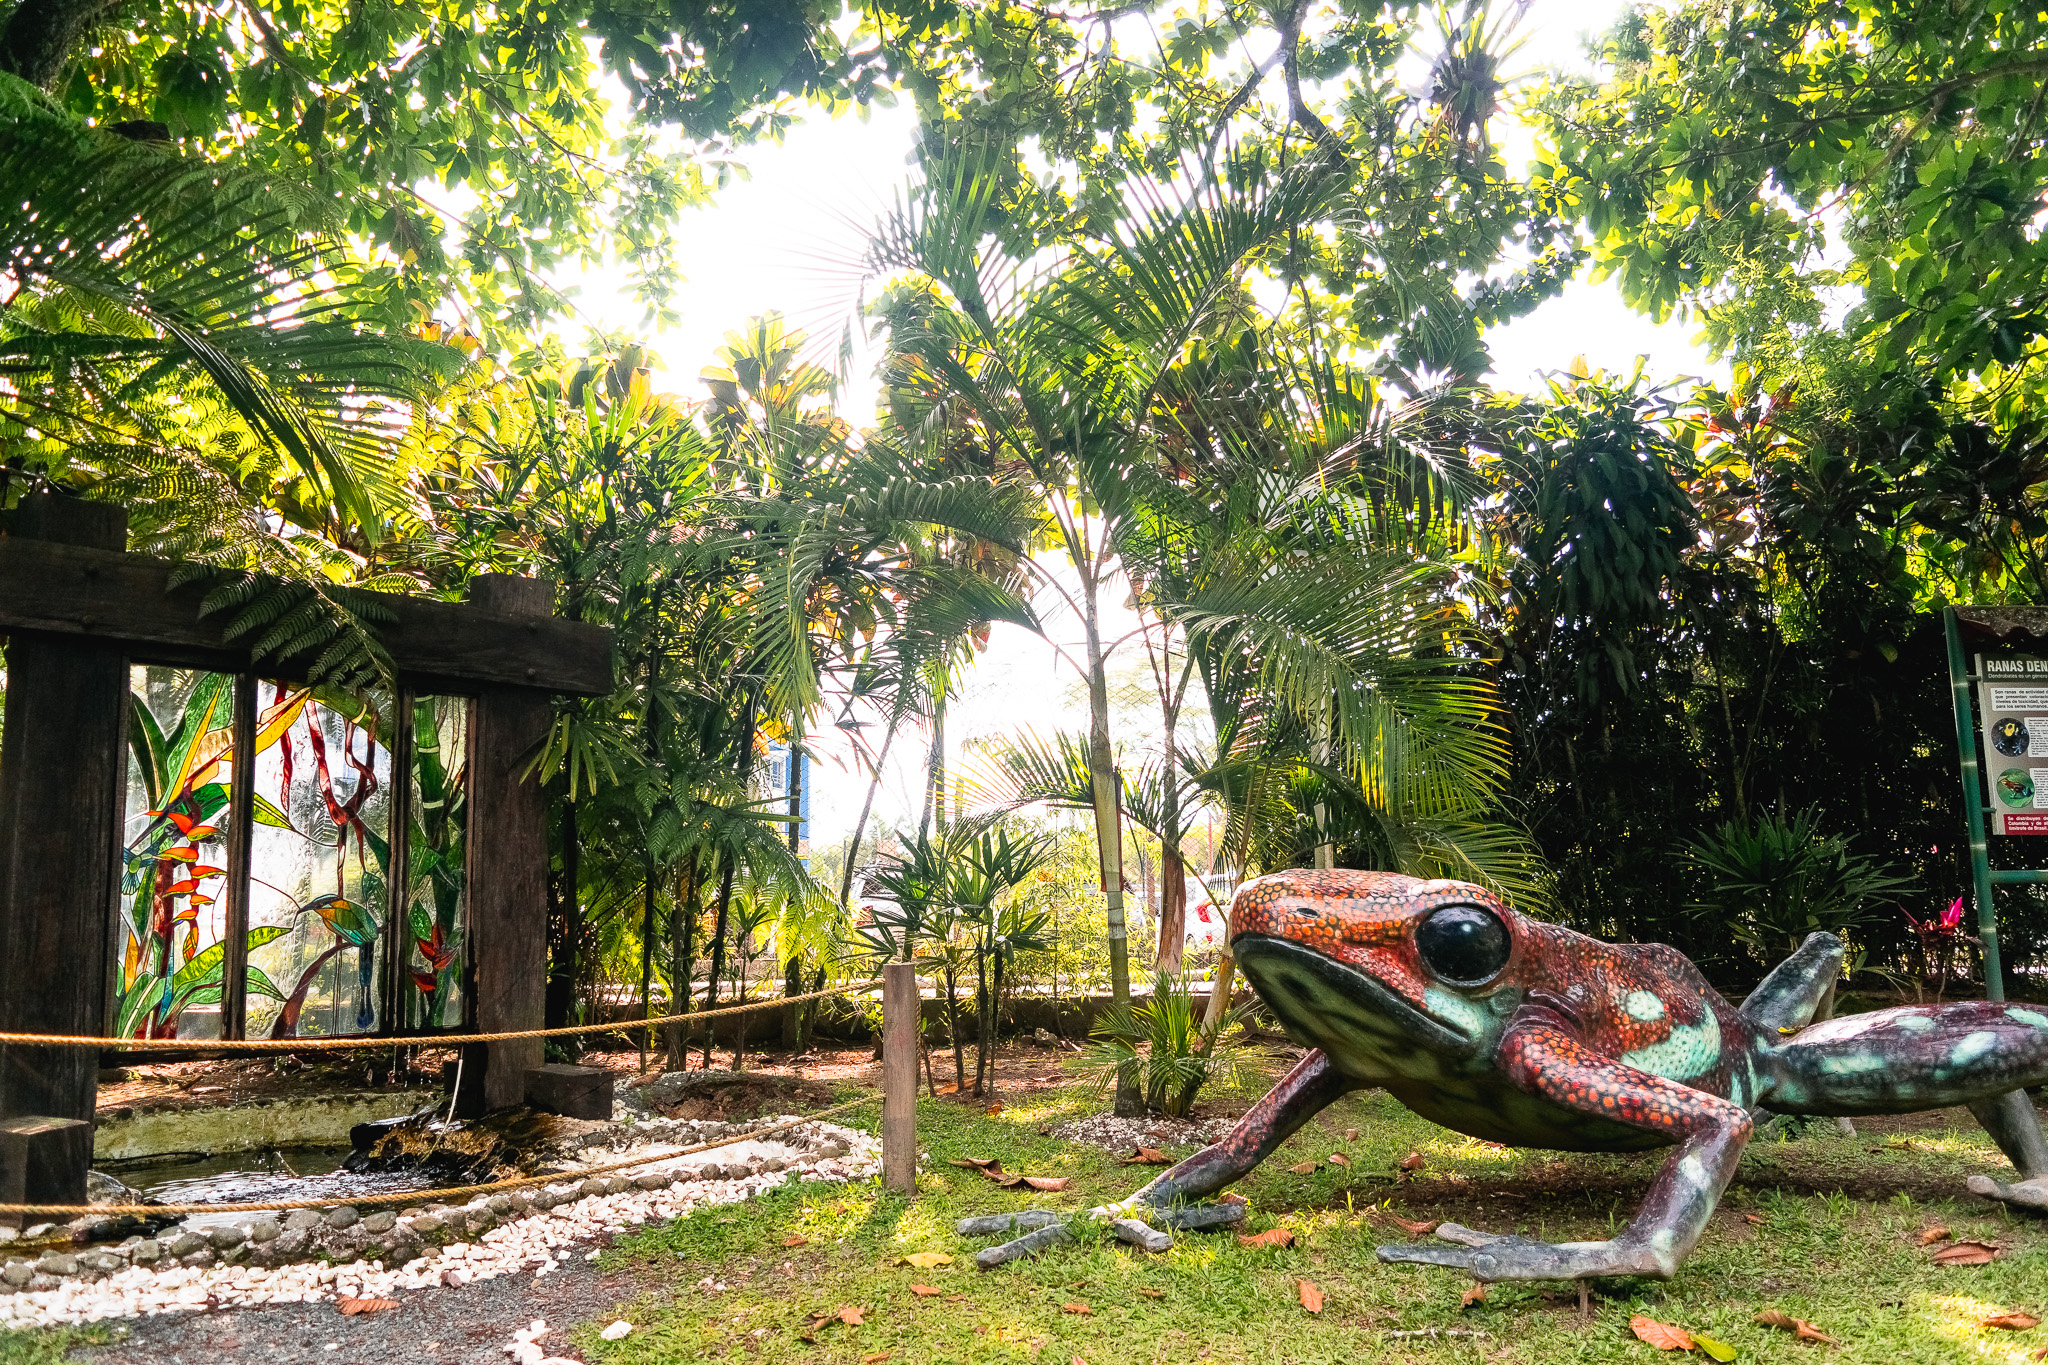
x: 1050, y: 372
x: 171, y: 340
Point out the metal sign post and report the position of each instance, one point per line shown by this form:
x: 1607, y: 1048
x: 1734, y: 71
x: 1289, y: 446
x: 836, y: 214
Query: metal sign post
x: 1960, y: 678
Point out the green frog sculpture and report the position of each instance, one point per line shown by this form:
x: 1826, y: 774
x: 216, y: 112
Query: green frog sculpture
x: 1525, y: 1033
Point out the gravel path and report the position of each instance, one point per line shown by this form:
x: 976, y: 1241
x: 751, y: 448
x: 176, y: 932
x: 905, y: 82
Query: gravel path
x: 461, y: 1325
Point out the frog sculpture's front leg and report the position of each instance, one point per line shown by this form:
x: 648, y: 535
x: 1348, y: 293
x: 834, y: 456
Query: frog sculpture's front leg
x: 1542, y: 1054
x: 1301, y: 1094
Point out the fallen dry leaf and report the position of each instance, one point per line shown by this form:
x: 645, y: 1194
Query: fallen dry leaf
x: 1004, y: 1178
x: 1339, y: 1159
x: 1272, y: 1237
x: 956, y: 1298
x: 977, y: 1163
x: 1148, y: 1156
x: 353, y: 1307
x: 2013, y: 1322
x: 795, y: 1241
x: 1661, y: 1335
x: 1755, y: 1218
x: 1311, y: 1297
x: 1351, y: 1135
x: 1153, y: 1293
x: 1929, y: 1236
x: 874, y: 1358
x: 1081, y: 1308
x: 1304, y: 1168
x: 1414, y: 1161
x: 994, y: 1109
x: 1048, y: 1183
x: 1412, y: 1228
x: 1966, y: 1253
x: 925, y: 1260
x: 850, y: 1315
x: 926, y: 1291
x: 1799, y: 1327
x: 1232, y: 1198
x: 1476, y: 1294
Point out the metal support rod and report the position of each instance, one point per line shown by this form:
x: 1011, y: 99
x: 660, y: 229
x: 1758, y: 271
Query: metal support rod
x: 899, y: 1077
x: 1973, y: 807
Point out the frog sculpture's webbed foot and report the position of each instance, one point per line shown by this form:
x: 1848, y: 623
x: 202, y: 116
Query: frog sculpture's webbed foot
x: 2021, y: 1194
x: 1173, y: 1201
x: 1488, y: 1257
x: 1542, y: 1055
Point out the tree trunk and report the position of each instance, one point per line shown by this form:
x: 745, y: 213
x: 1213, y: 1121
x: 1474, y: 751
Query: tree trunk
x: 981, y: 1018
x: 953, y: 1028
x: 860, y: 826
x: 1108, y: 837
x: 810, y: 1013
x: 682, y: 962
x: 40, y: 35
x: 725, y: 871
x: 1173, y: 909
x: 647, y: 963
x: 935, y: 772
x: 792, y: 984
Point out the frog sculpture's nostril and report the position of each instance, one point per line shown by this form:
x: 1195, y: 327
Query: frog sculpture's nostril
x: 1306, y: 913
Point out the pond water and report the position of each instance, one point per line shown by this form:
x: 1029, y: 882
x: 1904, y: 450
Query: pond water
x: 259, y: 1177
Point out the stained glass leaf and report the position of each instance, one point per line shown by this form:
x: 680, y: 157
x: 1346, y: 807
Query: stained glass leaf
x: 267, y: 813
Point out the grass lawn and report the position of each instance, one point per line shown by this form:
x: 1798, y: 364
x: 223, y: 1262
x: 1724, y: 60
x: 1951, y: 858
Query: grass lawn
x: 1824, y: 1228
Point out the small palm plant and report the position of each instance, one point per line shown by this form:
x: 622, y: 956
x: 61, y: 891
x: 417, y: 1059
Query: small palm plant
x: 1165, y: 1042
x: 1772, y: 882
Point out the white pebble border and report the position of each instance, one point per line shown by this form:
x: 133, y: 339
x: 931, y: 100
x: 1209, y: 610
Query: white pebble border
x: 538, y: 1241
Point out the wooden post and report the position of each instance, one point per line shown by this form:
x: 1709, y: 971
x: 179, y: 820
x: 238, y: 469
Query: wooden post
x: 60, y: 846
x: 899, y: 1077
x: 508, y: 867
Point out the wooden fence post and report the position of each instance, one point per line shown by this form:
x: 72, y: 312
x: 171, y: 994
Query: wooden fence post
x: 899, y: 1077
x: 60, y: 856
x: 508, y: 867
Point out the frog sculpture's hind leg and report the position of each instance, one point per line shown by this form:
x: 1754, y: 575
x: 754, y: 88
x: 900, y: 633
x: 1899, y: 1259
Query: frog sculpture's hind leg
x: 1301, y: 1094
x: 1976, y: 1052
x: 1540, y: 1054
x: 1787, y: 998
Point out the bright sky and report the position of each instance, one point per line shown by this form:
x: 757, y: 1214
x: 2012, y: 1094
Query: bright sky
x: 784, y: 239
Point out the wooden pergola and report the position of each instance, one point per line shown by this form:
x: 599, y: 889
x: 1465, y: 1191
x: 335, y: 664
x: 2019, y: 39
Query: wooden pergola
x: 78, y: 611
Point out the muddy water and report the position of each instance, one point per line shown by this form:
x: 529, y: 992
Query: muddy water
x: 260, y: 1177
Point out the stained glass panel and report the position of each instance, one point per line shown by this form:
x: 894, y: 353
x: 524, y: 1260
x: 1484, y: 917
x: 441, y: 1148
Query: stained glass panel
x: 319, y: 858
x: 435, y: 947
x: 173, y: 898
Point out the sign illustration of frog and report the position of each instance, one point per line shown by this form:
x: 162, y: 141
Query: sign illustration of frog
x: 1522, y: 1032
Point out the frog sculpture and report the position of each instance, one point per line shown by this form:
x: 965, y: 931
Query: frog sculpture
x: 1522, y: 1032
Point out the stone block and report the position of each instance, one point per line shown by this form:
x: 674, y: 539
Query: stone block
x: 576, y: 1092
x: 380, y: 1222
x: 43, y: 1161
x: 342, y: 1216
x: 299, y: 1220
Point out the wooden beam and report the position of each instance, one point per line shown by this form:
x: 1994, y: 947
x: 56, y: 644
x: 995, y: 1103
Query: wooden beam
x: 60, y: 848
x: 126, y: 600
x: 508, y: 867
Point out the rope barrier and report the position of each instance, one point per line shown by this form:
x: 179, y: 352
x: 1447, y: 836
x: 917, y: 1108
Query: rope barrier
x: 403, y: 1040
x: 415, y: 1196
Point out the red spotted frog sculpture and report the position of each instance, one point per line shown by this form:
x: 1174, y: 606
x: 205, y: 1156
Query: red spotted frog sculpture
x: 1522, y: 1032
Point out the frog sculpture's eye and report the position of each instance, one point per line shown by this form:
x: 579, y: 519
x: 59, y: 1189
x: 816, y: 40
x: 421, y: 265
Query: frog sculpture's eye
x: 1463, y: 944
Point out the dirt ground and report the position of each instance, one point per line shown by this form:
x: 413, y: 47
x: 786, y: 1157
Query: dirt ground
x: 465, y: 1325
